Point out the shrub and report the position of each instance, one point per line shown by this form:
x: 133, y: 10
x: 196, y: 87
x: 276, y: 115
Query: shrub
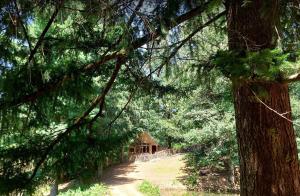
x: 149, y: 189
x: 94, y: 190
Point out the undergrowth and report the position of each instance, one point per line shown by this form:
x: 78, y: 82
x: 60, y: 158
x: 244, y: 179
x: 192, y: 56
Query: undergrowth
x: 149, y: 189
x: 84, y: 190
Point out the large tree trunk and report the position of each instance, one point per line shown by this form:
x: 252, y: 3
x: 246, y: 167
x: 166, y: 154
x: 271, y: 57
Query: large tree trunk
x: 267, y: 145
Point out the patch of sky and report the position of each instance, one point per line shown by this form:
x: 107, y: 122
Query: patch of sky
x: 5, y: 64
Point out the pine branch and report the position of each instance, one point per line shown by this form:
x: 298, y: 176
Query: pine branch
x: 132, y: 94
x: 190, y: 36
x: 171, y: 24
x: 57, y: 82
x: 23, y: 26
x: 47, y: 27
x: 81, y: 120
x: 139, y: 5
x: 54, y: 84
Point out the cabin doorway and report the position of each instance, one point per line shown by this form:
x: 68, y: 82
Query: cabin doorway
x: 154, y: 149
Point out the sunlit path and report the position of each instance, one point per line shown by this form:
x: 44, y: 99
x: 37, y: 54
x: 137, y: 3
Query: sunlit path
x: 164, y: 172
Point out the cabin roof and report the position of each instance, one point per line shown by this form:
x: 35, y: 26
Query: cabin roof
x: 145, y: 137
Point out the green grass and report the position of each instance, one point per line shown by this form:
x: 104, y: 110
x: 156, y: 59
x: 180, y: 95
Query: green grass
x: 149, y: 189
x: 83, y: 190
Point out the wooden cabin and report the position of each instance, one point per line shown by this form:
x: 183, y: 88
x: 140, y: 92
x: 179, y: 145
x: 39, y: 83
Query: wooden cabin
x: 144, y: 143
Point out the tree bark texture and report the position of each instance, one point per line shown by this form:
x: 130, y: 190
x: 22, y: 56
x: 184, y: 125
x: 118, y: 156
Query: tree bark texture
x: 251, y: 24
x: 267, y: 143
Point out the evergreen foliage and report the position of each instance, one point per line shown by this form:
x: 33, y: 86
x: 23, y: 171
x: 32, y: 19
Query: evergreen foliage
x: 261, y: 65
x: 79, y: 79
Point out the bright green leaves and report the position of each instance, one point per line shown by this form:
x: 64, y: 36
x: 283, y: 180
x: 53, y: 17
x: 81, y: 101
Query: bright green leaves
x: 266, y: 64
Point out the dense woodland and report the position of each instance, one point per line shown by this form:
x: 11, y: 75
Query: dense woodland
x: 79, y: 79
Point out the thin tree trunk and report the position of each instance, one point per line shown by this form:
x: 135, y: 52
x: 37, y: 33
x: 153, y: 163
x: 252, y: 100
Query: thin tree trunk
x: 54, y: 188
x: 267, y: 143
x: 100, y: 170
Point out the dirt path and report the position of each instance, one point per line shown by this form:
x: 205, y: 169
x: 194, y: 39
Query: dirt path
x: 124, y: 179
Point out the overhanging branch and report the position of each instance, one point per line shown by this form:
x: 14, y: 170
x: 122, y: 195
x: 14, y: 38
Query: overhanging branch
x: 58, y: 81
x: 47, y: 27
x: 190, y: 36
x: 81, y: 120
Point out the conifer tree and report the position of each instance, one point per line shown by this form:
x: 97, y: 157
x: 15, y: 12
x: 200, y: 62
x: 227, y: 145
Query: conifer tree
x: 63, y: 63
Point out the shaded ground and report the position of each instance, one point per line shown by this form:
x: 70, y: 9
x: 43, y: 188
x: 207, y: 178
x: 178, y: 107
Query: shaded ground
x: 164, y: 172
